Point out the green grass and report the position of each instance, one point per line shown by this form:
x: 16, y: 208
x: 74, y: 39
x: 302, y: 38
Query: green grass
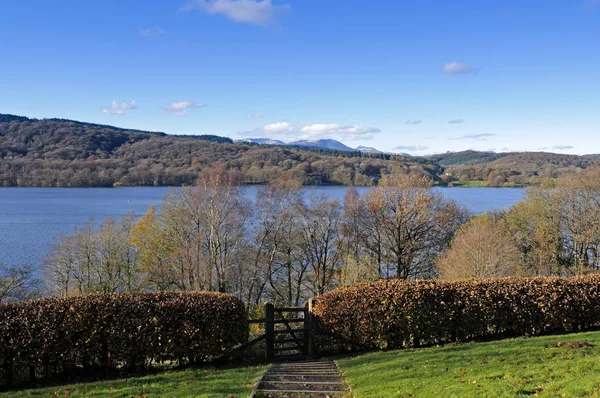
x: 541, y: 366
x: 193, y: 382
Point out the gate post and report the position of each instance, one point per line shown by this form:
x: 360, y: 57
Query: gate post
x: 308, y: 328
x: 269, y: 331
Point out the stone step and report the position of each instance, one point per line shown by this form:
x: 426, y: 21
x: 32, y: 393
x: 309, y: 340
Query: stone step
x: 301, y: 386
x: 298, y: 394
x: 302, y: 379
x: 325, y: 379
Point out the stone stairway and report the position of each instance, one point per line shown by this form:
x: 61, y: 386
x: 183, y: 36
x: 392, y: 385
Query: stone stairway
x: 314, y: 379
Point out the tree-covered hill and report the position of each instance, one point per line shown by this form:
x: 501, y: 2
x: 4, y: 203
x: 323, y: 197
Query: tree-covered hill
x: 66, y: 153
x: 469, y: 157
x: 512, y: 169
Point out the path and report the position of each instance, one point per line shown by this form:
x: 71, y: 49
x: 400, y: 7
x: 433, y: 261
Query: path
x: 314, y: 379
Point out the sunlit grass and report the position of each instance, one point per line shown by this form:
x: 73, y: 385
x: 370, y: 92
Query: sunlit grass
x: 542, y: 366
x: 193, y: 382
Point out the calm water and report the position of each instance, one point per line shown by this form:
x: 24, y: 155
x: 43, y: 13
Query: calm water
x: 30, y: 218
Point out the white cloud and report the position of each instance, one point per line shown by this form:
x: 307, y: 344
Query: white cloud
x: 455, y: 68
x: 286, y: 130
x: 119, y: 108
x: 181, y: 108
x: 411, y: 148
x: 563, y: 147
x: 413, y: 122
x: 113, y: 111
x: 255, y: 12
x: 350, y: 132
x: 478, y: 137
x: 278, y: 128
x: 456, y: 121
x: 151, y: 32
x: 254, y: 115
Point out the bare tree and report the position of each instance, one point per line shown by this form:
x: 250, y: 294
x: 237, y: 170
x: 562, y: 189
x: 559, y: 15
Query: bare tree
x: 17, y: 283
x: 408, y: 225
x: 94, y: 260
x: 276, y: 209
x: 360, y: 242
x: 198, y: 238
x: 225, y: 214
x: 320, y: 232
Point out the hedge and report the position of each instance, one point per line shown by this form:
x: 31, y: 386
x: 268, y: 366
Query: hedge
x: 54, y: 337
x: 397, y: 313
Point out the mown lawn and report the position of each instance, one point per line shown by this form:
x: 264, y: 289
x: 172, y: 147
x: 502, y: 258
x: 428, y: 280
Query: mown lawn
x: 553, y: 366
x: 193, y: 382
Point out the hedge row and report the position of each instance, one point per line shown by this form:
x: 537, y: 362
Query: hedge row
x: 51, y: 337
x: 393, y: 314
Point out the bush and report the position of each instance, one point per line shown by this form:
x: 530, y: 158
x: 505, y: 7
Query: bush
x: 397, y: 313
x: 55, y: 337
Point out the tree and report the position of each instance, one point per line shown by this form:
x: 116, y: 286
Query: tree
x: 276, y: 209
x: 355, y: 237
x: 279, y: 270
x: 320, y: 222
x: 557, y: 226
x: 17, y: 283
x: 94, y: 260
x: 482, y: 248
x: 198, y: 238
x: 409, y: 225
x: 535, y: 225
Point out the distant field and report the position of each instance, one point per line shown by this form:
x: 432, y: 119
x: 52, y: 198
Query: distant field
x: 475, y: 183
x: 199, y: 382
x: 470, y: 184
x: 553, y: 366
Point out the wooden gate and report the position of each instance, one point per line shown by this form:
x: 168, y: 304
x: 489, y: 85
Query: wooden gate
x: 288, y: 332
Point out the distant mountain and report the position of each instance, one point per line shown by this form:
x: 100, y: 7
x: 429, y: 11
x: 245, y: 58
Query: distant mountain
x: 261, y: 141
x: 367, y: 149
x: 323, y: 144
x: 326, y: 144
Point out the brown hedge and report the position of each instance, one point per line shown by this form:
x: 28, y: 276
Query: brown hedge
x: 396, y: 313
x: 54, y: 337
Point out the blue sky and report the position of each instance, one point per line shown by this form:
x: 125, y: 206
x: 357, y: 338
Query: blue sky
x: 415, y: 76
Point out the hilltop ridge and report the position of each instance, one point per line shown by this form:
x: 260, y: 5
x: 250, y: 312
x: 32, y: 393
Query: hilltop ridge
x: 68, y: 153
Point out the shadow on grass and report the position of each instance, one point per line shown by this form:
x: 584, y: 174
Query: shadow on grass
x: 222, y: 378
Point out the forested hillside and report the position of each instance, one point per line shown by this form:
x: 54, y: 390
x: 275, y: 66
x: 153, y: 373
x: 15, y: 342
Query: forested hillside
x: 509, y: 169
x: 466, y: 158
x: 65, y: 153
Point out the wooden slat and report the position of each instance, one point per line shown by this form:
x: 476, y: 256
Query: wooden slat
x: 252, y: 342
x: 289, y: 309
x: 286, y: 331
x: 283, y: 341
x: 282, y: 349
x: 289, y: 320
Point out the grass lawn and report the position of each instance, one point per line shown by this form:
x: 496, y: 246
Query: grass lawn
x: 553, y: 366
x: 193, y: 382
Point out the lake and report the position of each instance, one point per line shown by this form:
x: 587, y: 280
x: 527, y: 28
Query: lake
x: 30, y: 218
